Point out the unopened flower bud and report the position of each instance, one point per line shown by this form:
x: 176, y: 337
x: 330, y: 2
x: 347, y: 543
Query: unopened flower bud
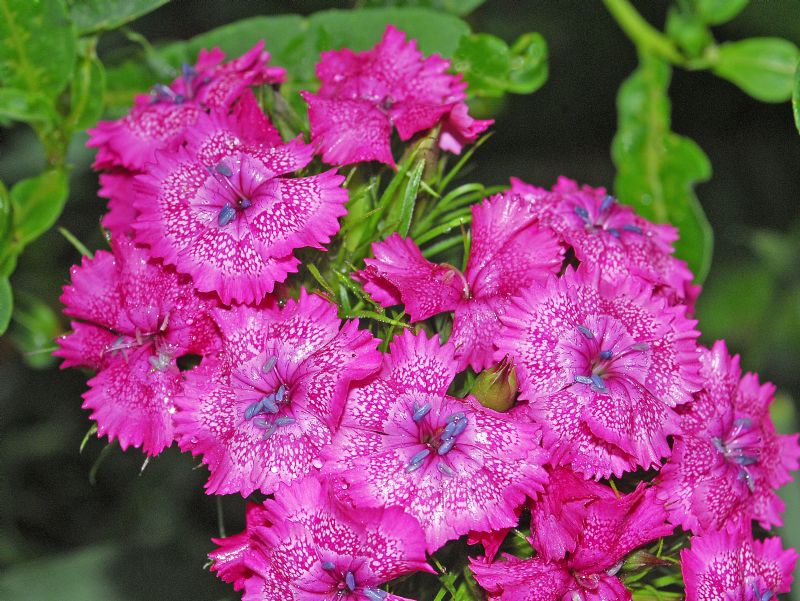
x: 496, y: 387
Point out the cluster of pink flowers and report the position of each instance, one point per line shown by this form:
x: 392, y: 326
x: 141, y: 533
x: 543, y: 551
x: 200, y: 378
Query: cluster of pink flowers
x: 367, y: 459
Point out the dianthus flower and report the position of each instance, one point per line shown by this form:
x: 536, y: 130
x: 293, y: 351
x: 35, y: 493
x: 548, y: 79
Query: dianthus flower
x: 262, y: 412
x: 509, y: 251
x: 316, y: 549
x: 609, y: 529
x: 450, y: 463
x: 219, y: 210
x: 733, y: 567
x: 728, y: 460
x: 602, y: 366
x: 136, y: 318
x: 611, y: 236
x: 365, y: 95
x: 159, y: 120
x: 230, y: 558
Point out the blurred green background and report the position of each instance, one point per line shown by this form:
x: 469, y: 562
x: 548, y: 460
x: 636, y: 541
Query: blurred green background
x: 144, y: 537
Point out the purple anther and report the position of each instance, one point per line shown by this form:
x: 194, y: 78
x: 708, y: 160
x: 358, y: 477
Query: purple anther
x: 445, y: 469
x: 260, y: 422
x: 629, y: 227
x: 375, y: 594
x: 582, y: 213
x: 608, y: 200
x: 252, y: 410
x: 223, y: 169
x: 419, y: 457
x: 446, y: 446
x: 280, y: 393
x: 245, y: 203
x: 583, y: 379
x: 284, y: 421
x: 606, y: 355
x: 268, y: 404
x: 267, y: 367
x: 421, y: 412
x: 598, y: 382
x: 226, y: 215
x: 449, y: 431
x: 586, y: 332
x: 614, y: 232
x: 460, y: 425
x: 328, y: 566
x: 350, y: 581
x: 456, y: 416
x: 268, y: 432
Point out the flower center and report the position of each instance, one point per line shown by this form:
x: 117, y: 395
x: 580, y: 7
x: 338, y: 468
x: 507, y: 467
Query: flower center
x: 604, y: 354
x: 240, y: 201
x: 602, y: 220
x: 189, y: 82
x: 163, y: 352
x: 265, y: 412
x: 439, y: 440
x: 741, y: 446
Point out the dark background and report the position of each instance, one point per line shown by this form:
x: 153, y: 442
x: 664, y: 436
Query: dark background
x: 132, y: 537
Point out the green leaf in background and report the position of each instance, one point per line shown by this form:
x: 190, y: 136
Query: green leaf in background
x: 19, y: 105
x: 456, y: 7
x: 796, y: 98
x: 715, y: 12
x: 34, y: 328
x: 91, y: 16
x: 762, y: 67
x: 656, y: 168
x: 37, y: 202
x: 86, y: 92
x: 6, y: 231
x: 688, y: 31
x: 6, y: 304
x: 37, y: 46
x: 492, y: 68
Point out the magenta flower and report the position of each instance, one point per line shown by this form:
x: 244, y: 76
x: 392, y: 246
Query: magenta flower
x: 263, y: 411
x: 317, y: 549
x: 365, y: 95
x: 135, y: 319
x: 230, y: 559
x: 509, y: 252
x: 610, y: 528
x: 220, y: 211
x: 602, y: 367
x: 734, y: 567
x: 728, y: 460
x: 159, y: 120
x: 450, y: 463
x: 611, y: 236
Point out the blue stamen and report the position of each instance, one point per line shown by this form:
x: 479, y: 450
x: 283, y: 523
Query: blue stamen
x: 445, y: 448
x: 607, y: 202
x: 350, y: 581
x: 586, y: 332
x: 456, y: 416
x: 745, y: 475
x: 223, y: 169
x: 583, y: 379
x: 328, y: 566
x: 419, y: 457
x: 743, y: 423
x: 746, y: 460
x: 614, y: 232
x: 261, y: 423
x: 413, y: 467
x: 268, y: 404
x: 606, y: 355
x: 449, y: 431
x: 582, y: 213
x: 251, y: 410
x: 267, y: 367
x: 461, y: 425
x: 244, y: 203
x: 375, y: 594
x: 226, y: 215
x: 281, y: 392
x: 268, y: 432
x: 179, y: 98
x: 421, y: 412
x: 284, y: 421
x: 165, y: 92
x: 629, y: 227
x: 445, y: 469
x: 598, y: 382
x: 640, y: 346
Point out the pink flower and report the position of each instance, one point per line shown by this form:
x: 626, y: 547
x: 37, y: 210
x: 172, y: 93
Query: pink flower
x: 509, y: 252
x: 136, y: 319
x: 610, y: 528
x: 365, y: 95
x: 734, y: 567
x: 220, y: 211
x: 263, y: 411
x: 231, y: 556
x: 317, y: 550
x: 728, y: 460
x: 602, y: 367
x: 611, y: 236
x: 450, y: 463
x: 159, y: 119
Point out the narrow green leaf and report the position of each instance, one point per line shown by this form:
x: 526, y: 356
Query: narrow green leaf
x: 86, y: 93
x: 37, y: 46
x: 34, y: 327
x: 89, y: 433
x: 37, y: 203
x: 796, y: 98
x: 312, y: 269
x: 76, y: 243
x: 92, y: 16
x: 715, y: 12
x: 762, y: 67
x: 6, y: 304
x: 19, y: 105
x: 656, y: 168
x: 410, y: 199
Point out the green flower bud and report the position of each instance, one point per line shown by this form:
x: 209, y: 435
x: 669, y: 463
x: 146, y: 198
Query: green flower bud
x: 496, y: 387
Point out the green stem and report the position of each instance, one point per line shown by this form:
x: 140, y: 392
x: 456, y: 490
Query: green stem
x: 646, y: 37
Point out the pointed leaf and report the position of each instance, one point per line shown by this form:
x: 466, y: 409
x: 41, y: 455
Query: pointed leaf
x: 37, y: 202
x: 762, y: 67
x: 715, y: 12
x: 101, y: 15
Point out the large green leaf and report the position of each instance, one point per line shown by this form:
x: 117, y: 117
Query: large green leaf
x: 456, y: 7
x: 101, y: 15
x: 656, y: 168
x: 762, y: 67
x: 37, y: 46
x: 6, y: 304
x: 37, y: 202
x: 19, y: 105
